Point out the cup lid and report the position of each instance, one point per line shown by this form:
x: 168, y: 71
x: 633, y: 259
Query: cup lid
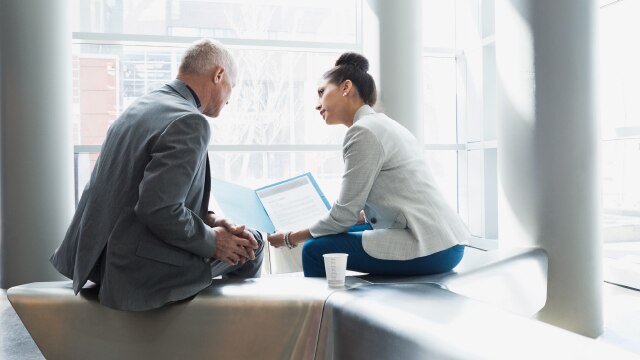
x: 336, y: 255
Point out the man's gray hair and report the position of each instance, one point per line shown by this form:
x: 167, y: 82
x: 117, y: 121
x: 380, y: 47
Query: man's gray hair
x: 203, y: 55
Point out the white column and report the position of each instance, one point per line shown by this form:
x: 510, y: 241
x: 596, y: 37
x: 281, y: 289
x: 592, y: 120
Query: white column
x: 36, y: 173
x: 548, y: 149
x: 392, y: 41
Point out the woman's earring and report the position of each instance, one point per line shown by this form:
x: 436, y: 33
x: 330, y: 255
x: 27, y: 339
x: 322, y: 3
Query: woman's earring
x: 344, y: 93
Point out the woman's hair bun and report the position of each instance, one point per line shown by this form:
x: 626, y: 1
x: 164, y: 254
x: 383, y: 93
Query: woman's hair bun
x: 353, y: 59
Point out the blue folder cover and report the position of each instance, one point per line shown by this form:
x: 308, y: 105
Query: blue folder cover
x: 241, y: 205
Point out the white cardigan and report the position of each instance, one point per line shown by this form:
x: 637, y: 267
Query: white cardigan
x: 386, y: 175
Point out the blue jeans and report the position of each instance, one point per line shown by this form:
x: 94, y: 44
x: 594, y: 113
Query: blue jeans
x: 359, y: 260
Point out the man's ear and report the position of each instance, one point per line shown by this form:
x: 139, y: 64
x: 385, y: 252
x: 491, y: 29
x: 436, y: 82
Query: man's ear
x: 217, y: 74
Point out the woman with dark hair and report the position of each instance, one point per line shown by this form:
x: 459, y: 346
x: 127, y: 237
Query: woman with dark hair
x: 413, y: 231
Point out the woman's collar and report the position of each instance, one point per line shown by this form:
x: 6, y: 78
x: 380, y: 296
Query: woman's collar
x: 363, y: 111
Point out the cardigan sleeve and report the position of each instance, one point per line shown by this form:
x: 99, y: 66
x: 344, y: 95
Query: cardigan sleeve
x: 363, y: 158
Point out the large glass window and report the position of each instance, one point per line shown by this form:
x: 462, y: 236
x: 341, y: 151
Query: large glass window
x: 274, y: 101
x: 297, y: 20
x: 476, y: 114
x: 439, y: 24
x: 620, y: 132
x: 439, y: 83
x: 270, y: 130
x: 620, y: 118
x: 440, y: 100
x: 126, y: 48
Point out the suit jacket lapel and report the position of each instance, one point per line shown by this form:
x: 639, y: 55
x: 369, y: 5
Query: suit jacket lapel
x: 180, y: 87
x: 207, y: 190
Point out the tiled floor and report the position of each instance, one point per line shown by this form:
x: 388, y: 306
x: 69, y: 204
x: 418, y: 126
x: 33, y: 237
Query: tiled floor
x: 622, y: 317
x: 15, y: 342
x: 622, y: 325
x: 622, y: 263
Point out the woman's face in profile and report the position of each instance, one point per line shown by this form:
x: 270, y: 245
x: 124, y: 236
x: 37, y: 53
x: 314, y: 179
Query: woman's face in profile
x: 329, y: 102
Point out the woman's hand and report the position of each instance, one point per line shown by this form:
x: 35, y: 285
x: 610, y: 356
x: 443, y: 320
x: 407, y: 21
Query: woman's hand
x: 276, y: 239
x: 361, y: 219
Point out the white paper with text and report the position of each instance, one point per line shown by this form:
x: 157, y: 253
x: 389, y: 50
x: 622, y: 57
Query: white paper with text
x: 293, y: 205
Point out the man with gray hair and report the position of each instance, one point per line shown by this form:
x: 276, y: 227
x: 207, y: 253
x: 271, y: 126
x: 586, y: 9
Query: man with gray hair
x: 142, y: 230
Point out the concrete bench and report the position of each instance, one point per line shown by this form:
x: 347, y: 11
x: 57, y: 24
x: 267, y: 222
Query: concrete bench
x: 424, y: 321
x: 268, y: 318
x: 513, y: 279
x: 288, y: 317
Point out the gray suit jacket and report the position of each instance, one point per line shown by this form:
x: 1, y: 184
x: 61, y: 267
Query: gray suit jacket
x: 138, y: 227
x: 387, y: 176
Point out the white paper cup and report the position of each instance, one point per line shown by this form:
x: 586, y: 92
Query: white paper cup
x: 336, y: 266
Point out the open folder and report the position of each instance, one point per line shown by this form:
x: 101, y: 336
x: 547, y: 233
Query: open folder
x: 288, y: 205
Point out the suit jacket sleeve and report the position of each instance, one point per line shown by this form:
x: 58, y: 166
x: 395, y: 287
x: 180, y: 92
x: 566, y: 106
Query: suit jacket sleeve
x: 363, y: 159
x: 175, y: 159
